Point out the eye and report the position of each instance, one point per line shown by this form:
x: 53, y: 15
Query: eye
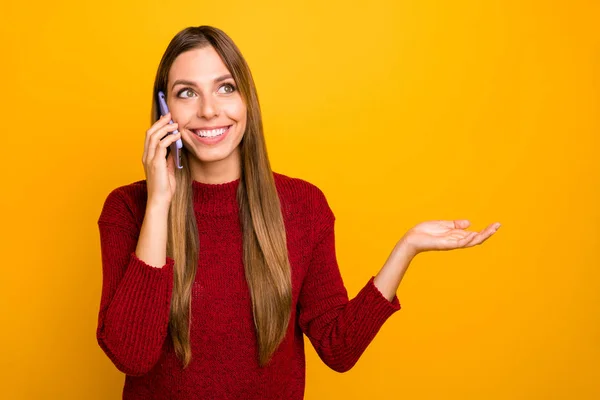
x: 229, y: 88
x: 186, y: 91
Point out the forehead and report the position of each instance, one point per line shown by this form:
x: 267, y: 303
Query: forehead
x: 198, y: 64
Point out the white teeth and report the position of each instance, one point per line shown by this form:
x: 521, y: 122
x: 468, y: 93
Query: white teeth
x: 211, y: 133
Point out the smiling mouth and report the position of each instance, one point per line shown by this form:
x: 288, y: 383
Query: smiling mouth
x: 210, y: 133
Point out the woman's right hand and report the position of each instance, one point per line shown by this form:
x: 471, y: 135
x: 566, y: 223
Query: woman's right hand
x: 160, y: 170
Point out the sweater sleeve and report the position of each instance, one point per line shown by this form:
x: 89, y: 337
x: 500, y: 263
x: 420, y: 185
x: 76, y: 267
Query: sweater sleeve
x: 339, y: 329
x: 136, y: 297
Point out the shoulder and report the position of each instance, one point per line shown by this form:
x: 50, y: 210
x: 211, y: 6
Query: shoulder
x: 125, y: 204
x: 299, y: 196
x: 290, y: 188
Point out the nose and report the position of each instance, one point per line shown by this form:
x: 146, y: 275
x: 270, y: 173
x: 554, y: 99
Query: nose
x: 209, y: 108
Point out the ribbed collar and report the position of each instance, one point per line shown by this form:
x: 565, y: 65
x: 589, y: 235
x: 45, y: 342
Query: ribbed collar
x: 215, y: 198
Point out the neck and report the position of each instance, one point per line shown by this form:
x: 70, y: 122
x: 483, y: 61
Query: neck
x: 216, y: 172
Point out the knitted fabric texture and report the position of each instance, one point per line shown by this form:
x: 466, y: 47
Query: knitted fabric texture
x: 134, y: 307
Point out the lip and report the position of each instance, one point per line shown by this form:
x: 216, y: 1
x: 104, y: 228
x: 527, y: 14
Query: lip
x: 213, y: 140
x: 208, y: 128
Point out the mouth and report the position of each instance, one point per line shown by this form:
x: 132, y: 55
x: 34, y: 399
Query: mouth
x: 212, y: 132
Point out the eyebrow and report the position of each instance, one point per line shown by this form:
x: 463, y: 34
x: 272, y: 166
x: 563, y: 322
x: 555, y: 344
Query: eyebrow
x: 192, y: 83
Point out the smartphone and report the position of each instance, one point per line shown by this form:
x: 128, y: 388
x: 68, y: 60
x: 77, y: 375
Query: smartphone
x: 176, y: 145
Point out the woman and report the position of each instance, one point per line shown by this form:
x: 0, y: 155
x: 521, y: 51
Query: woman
x: 213, y: 273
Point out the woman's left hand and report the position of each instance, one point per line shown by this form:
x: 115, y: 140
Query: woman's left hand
x: 445, y: 235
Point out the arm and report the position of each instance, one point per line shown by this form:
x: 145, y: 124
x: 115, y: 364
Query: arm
x: 339, y: 329
x: 389, y: 277
x: 136, y: 296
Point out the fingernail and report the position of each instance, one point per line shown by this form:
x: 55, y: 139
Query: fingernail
x: 498, y: 225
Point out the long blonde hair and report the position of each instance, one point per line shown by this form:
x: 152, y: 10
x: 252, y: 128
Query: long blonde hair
x: 266, y: 262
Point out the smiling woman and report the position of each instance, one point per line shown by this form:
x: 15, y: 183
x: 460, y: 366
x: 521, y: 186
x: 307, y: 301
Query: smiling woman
x: 213, y: 273
x: 205, y: 101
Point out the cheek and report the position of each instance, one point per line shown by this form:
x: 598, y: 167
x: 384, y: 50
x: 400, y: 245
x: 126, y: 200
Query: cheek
x: 183, y: 113
x: 236, y: 110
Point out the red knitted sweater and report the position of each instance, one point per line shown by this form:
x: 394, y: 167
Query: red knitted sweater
x: 134, y: 308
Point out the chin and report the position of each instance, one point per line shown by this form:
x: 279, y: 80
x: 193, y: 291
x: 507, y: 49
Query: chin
x: 213, y: 155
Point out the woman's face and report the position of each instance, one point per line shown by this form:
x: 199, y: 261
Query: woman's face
x: 204, y: 100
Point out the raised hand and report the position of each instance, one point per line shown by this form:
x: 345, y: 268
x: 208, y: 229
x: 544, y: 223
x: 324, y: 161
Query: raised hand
x: 160, y: 171
x: 445, y: 235
x: 160, y: 182
x: 426, y: 236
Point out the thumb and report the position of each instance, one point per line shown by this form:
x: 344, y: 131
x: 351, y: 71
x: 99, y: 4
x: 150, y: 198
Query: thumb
x: 461, y: 223
x: 456, y: 223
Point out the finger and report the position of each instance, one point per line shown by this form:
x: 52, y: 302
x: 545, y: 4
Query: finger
x: 463, y: 242
x: 458, y: 234
x: 162, y: 121
x: 161, y: 149
x: 456, y: 224
x: 482, y: 236
x: 157, y: 137
x: 457, y: 240
x: 157, y: 125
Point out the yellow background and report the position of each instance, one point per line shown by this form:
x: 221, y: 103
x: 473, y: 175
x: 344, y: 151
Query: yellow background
x: 400, y: 111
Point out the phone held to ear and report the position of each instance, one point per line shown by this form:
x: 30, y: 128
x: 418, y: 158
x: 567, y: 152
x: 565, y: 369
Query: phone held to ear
x: 177, y: 145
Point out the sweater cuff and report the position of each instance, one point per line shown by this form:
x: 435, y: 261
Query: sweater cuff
x: 144, y: 294
x: 381, y: 307
x: 138, y: 316
x: 141, y: 264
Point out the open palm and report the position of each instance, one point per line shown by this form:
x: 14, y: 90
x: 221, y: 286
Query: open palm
x: 446, y: 235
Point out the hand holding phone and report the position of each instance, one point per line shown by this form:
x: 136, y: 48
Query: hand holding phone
x: 178, y: 144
